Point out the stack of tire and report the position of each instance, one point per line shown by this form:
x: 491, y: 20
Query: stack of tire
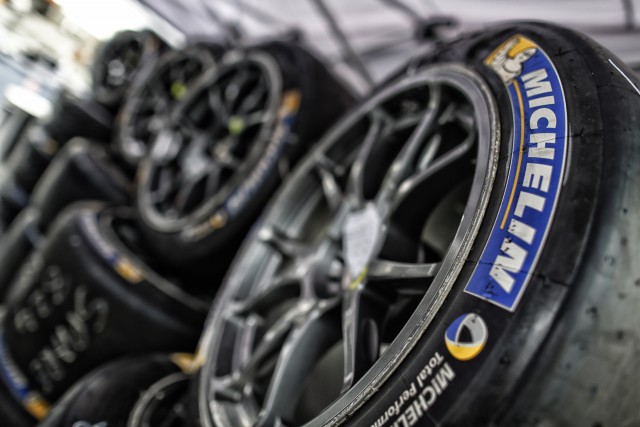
x: 459, y: 249
x: 87, y: 277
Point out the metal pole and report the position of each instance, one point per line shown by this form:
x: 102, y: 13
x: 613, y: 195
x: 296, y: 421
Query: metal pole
x: 349, y: 53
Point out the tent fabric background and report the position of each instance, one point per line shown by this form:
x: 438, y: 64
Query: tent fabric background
x: 384, y: 35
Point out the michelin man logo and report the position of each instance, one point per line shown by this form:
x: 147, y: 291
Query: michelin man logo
x: 508, y: 58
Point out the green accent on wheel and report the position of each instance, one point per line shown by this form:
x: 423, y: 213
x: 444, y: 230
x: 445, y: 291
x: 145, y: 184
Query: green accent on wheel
x: 178, y: 89
x: 236, y: 125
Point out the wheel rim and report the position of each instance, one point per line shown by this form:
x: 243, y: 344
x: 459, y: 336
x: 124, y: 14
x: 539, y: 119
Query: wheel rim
x: 120, y: 59
x: 216, y: 135
x: 164, y: 403
x: 355, y: 257
x: 147, y: 112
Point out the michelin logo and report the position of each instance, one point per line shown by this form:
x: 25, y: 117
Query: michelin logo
x: 535, y: 174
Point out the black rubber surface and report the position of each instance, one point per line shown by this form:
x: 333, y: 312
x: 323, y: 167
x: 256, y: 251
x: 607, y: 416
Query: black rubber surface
x: 109, y: 394
x: 92, y: 300
x: 168, y: 401
x: 23, y: 169
x: 15, y: 245
x: 82, y: 171
x: 14, y: 122
x: 76, y: 117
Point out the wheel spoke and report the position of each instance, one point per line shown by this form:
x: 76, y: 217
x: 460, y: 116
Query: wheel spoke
x: 284, y: 244
x: 255, y: 119
x: 430, y: 151
x: 271, y: 343
x: 308, y: 341
x: 220, y: 111
x: 186, y: 191
x: 450, y: 159
x: 195, y: 167
x: 391, y: 270
x: 404, y: 123
x: 279, y: 290
x: 407, y: 279
x: 234, y: 87
x: 363, y: 315
x: 330, y: 186
x: 213, y: 179
x: 355, y: 185
x: 401, y: 166
x: 252, y: 100
x: 167, y: 185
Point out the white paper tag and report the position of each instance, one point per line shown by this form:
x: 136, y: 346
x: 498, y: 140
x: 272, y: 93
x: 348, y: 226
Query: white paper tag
x: 361, y: 233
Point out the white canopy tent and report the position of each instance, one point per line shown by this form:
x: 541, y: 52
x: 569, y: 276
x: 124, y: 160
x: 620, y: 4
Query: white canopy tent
x: 381, y: 33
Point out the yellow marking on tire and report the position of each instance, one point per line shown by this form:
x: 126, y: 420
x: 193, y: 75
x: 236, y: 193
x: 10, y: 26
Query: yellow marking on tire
x: 515, y: 180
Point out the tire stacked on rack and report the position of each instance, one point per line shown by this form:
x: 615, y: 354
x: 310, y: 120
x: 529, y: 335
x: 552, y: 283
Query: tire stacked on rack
x: 39, y: 143
x: 118, y: 61
x: 226, y: 148
x: 81, y: 171
x: 143, y: 391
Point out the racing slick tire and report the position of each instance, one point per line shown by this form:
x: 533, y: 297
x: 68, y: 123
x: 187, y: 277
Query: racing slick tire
x: 109, y: 394
x: 118, y: 61
x: 460, y: 250
x: 227, y: 147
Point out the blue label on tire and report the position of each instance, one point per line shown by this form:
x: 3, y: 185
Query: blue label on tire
x: 536, y: 170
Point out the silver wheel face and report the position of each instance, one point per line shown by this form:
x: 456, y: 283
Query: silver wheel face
x: 147, y: 112
x: 211, y: 142
x: 354, y: 258
x: 119, y: 61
